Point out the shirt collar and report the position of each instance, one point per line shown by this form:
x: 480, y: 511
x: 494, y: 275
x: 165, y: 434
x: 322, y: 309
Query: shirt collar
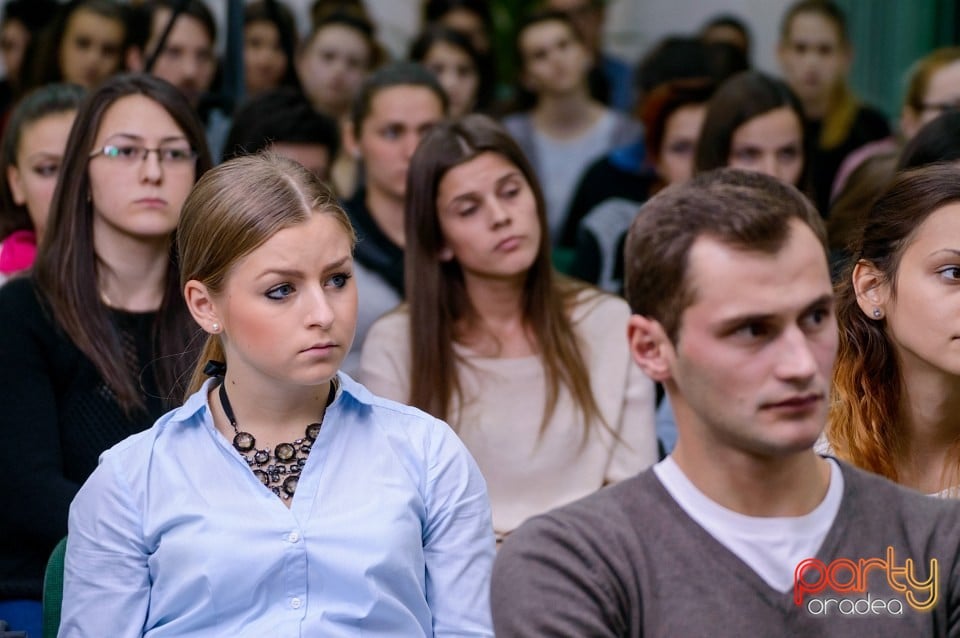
x: 197, y: 402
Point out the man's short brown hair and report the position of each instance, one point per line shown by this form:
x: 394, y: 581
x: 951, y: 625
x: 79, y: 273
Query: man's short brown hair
x: 745, y: 210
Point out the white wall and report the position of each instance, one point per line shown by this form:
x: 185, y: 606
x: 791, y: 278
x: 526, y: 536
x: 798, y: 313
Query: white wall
x: 634, y: 25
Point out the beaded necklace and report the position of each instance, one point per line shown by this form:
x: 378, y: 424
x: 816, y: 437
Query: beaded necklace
x: 279, y: 471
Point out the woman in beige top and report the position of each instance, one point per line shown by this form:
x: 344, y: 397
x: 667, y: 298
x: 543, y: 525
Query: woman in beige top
x: 530, y: 368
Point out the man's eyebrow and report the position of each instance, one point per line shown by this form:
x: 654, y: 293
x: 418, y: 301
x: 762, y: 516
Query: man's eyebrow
x: 823, y: 301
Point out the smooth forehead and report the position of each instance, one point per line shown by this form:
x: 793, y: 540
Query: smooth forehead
x: 185, y: 28
x: 728, y: 281
x: 84, y: 18
x: 339, y: 35
x: 406, y: 100
x: 481, y: 172
x: 312, y: 243
x: 939, y: 231
x: 544, y: 32
x: 138, y: 115
x: 813, y: 26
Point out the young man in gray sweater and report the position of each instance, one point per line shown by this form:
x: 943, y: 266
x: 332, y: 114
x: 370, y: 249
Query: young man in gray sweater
x: 743, y: 530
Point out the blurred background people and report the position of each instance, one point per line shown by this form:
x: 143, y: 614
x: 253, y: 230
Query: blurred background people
x: 611, y: 78
x: 97, y: 338
x: 396, y: 106
x: 727, y: 28
x: 450, y: 56
x: 566, y: 129
x: 754, y: 122
x: 332, y: 64
x: 84, y: 44
x: 815, y: 54
x: 283, y: 121
x: 269, y: 47
x: 527, y: 366
x: 20, y: 22
x: 30, y: 157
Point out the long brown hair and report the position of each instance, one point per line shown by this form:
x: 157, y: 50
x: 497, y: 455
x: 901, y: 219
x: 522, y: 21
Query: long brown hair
x: 436, y: 292
x: 866, y: 411
x: 234, y: 209
x: 66, y: 267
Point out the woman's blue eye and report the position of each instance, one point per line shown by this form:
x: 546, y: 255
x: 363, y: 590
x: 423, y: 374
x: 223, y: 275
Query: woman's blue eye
x: 340, y: 280
x: 280, y: 292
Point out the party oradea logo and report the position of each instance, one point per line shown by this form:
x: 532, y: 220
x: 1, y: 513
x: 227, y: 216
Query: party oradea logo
x: 831, y: 588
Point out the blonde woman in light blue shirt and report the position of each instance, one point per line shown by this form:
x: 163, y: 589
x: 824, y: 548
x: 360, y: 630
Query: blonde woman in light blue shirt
x: 282, y: 498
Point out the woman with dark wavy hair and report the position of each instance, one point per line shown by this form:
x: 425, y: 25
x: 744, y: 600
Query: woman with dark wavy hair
x: 897, y: 379
x: 528, y: 367
x: 92, y: 342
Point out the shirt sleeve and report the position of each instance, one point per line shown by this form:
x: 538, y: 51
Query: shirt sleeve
x: 106, y: 584
x: 385, y: 359
x: 545, y: 584
x: 458, y: 541
x: 636, y: 449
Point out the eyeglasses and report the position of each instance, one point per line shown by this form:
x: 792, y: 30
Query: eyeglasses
x: 133, y: 153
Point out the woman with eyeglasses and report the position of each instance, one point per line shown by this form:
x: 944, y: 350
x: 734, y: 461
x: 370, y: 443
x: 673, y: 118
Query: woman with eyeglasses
x: 93, y: 342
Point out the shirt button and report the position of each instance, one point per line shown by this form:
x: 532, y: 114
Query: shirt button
x: 295, y: 603
x: 293, y: 537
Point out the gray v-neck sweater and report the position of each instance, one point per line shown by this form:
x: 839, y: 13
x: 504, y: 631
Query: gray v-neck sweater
x: 628, y: 561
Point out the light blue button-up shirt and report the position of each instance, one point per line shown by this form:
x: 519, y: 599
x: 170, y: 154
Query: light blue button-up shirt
x: 389, y: 533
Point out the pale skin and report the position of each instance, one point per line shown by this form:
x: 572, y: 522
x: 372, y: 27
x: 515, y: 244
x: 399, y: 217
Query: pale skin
x: 815, y: 61
x: 918, y: 311
x: 748, y: 375
x: 399, y: 116
x: 136, y: 206
x: 286, y: 318
x: 488, y: 218
x: 555, y: 66
x: 33, y: 177
x: 943, y: 88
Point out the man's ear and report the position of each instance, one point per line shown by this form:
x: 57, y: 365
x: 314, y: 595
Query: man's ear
x: 202, y: 307
x: 872, y: 289
x: 650, y: 347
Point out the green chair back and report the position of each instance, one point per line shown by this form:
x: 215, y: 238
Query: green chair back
x: 53, y: 590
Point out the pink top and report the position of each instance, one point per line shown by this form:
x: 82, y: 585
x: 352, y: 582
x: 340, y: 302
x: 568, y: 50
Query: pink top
x: 17, y: 251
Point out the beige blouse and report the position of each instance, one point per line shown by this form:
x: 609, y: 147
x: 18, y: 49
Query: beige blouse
x: 527, y: 472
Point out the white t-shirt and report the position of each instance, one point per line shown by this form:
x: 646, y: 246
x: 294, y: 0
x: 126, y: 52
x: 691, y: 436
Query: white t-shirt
x: 770, y: 546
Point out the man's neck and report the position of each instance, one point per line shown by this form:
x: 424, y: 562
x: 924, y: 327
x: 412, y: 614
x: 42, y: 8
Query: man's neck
x: 781, y: 486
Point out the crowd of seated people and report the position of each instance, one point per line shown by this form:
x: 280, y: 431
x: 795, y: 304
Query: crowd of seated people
x: 451, y: 295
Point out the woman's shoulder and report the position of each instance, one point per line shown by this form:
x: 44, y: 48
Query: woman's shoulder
x: 166, y: 430
x: 593, y: 307
x: 19, y: 293
x: 21, y: 304
x: 391, y: 332
x: 396, y: 420
x: 393, y: 322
